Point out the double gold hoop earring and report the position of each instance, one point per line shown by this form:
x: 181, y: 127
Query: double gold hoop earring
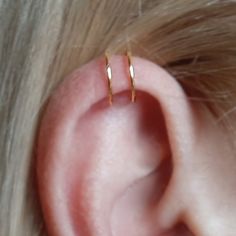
x: 131, y: 77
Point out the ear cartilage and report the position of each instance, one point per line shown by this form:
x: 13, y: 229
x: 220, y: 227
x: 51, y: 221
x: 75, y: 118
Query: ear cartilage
x: 132, y: 77
x: 109, y: 79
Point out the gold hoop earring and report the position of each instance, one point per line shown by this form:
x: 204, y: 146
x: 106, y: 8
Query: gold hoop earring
x: 109, y: 79
x: 132, y: 76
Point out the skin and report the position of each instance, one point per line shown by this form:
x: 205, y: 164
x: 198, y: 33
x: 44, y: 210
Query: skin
x: 160, y: 166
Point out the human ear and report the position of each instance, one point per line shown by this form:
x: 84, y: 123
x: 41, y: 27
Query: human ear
x: 130, y: 168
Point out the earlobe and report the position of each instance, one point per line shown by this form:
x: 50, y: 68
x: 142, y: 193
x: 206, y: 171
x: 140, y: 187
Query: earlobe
x: 102, y: 168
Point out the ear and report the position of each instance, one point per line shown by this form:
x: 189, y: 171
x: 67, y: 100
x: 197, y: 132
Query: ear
x: 125, y: 169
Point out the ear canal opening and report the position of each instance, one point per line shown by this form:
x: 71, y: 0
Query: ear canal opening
x: 180, y: 229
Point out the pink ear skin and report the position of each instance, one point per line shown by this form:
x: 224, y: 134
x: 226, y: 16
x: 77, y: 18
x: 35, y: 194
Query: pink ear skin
x: 137, y: 169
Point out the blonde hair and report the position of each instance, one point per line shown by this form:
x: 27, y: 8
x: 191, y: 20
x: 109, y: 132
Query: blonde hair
x: 43, y: 41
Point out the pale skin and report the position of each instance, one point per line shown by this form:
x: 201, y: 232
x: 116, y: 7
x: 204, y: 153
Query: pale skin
x: 136, y: 169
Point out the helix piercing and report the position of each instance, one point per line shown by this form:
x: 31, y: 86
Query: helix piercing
x: 132, y: 76
x: 109, y: 78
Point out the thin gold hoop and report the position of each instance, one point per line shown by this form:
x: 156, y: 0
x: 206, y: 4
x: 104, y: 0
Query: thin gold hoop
x: 132, y: 77
x: 109, y: 79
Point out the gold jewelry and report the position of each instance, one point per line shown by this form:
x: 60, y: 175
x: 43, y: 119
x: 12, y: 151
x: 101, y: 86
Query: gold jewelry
x: 132, y: 77
x: 109, y: 78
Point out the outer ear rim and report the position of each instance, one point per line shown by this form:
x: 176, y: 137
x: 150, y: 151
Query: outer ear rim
x: 150, y: 78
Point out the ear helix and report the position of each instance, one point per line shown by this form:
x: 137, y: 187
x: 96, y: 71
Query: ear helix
x: 131, y: 77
